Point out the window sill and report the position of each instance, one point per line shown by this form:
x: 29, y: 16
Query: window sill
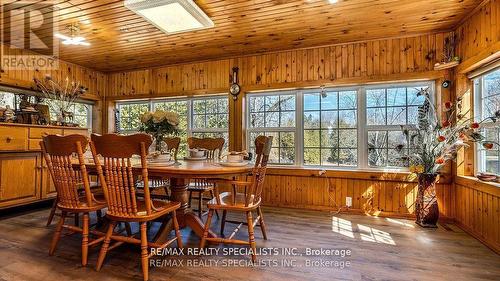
x: 362, y: 174
x: 484, y: 186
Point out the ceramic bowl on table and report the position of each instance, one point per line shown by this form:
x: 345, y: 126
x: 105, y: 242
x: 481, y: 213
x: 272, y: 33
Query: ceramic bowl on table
x: 196, y: 153
x: 234, y: 158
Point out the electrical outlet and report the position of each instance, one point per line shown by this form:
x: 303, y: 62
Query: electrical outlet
x: 348, y: 202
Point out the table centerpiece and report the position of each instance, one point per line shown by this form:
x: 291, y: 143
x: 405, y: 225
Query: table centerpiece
x: 159, y: 124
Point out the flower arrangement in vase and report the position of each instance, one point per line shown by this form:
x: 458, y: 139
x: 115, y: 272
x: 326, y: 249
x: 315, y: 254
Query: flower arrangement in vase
x: 433, y: 143
x: 62, y: 94
x: 159, y: 124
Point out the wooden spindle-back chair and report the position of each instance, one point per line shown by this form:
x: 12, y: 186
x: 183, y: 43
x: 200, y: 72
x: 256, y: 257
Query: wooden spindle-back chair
x: 159, y: 186
x: 247, y: 201
x: 116, y: 174
x: 213, y: 147
x: 173, y: 144
x: 59, y: 152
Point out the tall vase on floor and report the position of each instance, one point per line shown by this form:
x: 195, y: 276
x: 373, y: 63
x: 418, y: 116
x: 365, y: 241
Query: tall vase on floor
x: 433, y: 141
x: 426, y: 205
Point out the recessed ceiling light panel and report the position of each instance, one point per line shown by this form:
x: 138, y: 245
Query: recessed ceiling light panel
x: 171, y: 16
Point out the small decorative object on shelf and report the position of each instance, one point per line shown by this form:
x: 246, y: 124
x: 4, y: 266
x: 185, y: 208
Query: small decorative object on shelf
x: 8, y: 114
x: 449, y: 58
x: 488, y: 177
x: 63, y: 96
x: 433, y: 143
x: 160, y: 124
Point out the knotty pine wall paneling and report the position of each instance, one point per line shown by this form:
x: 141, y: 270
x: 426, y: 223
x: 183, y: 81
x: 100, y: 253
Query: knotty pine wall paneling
x: 476, y: 202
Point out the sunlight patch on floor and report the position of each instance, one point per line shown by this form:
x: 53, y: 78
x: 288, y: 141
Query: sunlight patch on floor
x: 342, y: 226
x: 400, y: 222
x: 365, y: 233
x: 371, y: 234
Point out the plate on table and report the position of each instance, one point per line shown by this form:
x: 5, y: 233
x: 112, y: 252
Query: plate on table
x: 195, y: 158
x: 233, y: 164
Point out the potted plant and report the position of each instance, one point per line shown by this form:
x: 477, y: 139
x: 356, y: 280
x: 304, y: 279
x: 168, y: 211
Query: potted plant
x: 432, y: 143
x: 159, y: 124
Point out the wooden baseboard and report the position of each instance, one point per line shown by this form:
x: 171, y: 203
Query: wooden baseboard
x: 442, y: 218
x: 493, y: 246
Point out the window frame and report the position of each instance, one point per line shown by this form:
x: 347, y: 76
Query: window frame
x: 361, y: 122
x: 478, y: 90
x: 250, y: 129
x: 189, y: 101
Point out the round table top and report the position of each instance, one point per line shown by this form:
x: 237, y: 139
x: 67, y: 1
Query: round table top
x: 186, y: 169
x: 192, y: 169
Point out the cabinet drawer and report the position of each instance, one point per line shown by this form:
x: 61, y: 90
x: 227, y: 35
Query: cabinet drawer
x: 12, y: 138
x: 38, y: 133
x: 34, y: 144
x: 76, y: 132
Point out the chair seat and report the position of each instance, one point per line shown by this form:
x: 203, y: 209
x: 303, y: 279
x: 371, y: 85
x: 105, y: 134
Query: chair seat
x: 84, y: 207
x: 230, y: 202
x: 162, y: 208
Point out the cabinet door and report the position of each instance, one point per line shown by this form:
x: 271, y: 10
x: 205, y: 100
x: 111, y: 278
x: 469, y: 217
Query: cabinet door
x: 19, y: 178
x: 48, y: 187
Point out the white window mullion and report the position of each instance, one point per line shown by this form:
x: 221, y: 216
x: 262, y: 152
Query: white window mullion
x: 189, y: 118
x: 362, y: 132
x: 299, y: 128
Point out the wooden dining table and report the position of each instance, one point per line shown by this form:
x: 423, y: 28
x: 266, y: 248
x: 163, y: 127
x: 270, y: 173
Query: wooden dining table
x: 180, y: 175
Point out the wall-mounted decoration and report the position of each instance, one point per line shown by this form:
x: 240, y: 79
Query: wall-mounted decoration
x: 235, y: 88
x: 449, y: 58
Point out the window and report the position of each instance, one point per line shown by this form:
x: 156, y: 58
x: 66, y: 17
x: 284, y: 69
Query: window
x: 274, y: 115
x: 349, y: 127
x: 82, y: 112
x: 129, y: 116
x: 199, y: 117
x: 387, y: 109
x: 487, y: 100
x: 210, y: 118
x: 330, y: 128
x: 7, y: 98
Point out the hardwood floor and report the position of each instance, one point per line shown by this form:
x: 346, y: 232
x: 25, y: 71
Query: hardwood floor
x: 382, y: 249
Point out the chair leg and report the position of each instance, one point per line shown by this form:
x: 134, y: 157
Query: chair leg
x: 52, y: 211
x: 200, y: 204
x: 99, y: 217
x: 251, y: 237
x: 207, y: 227
x: 223, y: 222
x: 166, y: 191
x: 177, y: 231
x: 105, y: 245
x: 128, y: 229
x: 77, y: 219
x: 261, y: 223
x: 144, y: 251
x: 212, y: 193
x: 190, y: 199
x: 85, y: 238
x: 57, y: 234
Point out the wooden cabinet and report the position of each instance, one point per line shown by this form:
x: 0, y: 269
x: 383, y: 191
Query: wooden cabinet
x: 19, y: 178
x: 13, y: 138
x: 24, y: 177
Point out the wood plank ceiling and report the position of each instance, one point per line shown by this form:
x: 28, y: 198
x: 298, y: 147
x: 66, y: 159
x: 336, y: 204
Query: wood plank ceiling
x: 121, y: 40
